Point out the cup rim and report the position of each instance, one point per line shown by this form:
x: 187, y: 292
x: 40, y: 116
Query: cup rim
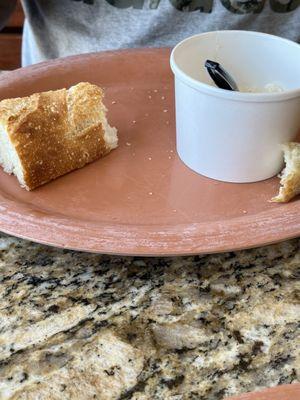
x: 232, y: 95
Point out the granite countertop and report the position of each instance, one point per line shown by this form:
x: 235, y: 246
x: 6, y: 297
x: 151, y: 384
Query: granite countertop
x: 85, y: 326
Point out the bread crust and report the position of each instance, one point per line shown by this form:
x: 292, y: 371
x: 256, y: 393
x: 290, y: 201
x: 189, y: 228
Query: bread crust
x: 55, y: 132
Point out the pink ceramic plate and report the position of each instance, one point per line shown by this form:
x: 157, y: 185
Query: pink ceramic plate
x: 284, y: 392
x: 140, y: 199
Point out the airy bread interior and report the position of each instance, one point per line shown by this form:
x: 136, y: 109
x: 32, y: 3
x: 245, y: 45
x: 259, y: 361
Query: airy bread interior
x: 290, y: 176
x: 110, y: 133
x: 9, y: 158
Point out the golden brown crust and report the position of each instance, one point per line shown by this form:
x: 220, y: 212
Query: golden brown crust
x: 55, y: 132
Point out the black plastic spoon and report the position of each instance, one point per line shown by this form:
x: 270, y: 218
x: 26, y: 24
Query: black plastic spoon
x: 221, y: 77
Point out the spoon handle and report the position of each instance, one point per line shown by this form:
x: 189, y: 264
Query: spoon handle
x: 221, y: 77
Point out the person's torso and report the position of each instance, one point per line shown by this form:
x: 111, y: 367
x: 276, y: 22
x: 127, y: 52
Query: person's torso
x: 59, y: 28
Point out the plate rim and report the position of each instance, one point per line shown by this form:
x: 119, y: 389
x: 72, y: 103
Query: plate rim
x: 137, y: 240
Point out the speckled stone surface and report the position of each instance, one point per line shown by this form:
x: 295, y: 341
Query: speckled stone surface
x: 84, y: 326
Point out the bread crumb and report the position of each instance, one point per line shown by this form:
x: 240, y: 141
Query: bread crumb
x: 163, y: 97
x: 174, y: 210
x: 155, y: 90
x: 150, y: 97
x: 169, y: 157
x: 134, y: 121
x: 149, y: 158
x: 171, y: 151
x: 245, y: 212
x: 113, y: 102
x: 128, y: 144
x: 150, y: 193
x: 165, y: 111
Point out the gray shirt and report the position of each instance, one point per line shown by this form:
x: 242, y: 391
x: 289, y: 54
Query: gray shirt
x: 56, y: 28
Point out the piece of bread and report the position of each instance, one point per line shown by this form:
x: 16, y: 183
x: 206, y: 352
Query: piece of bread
x: 290, y: 176
x: 48, y: 134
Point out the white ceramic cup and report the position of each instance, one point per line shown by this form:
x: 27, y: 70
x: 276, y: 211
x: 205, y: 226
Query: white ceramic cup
x: 234, y: 136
